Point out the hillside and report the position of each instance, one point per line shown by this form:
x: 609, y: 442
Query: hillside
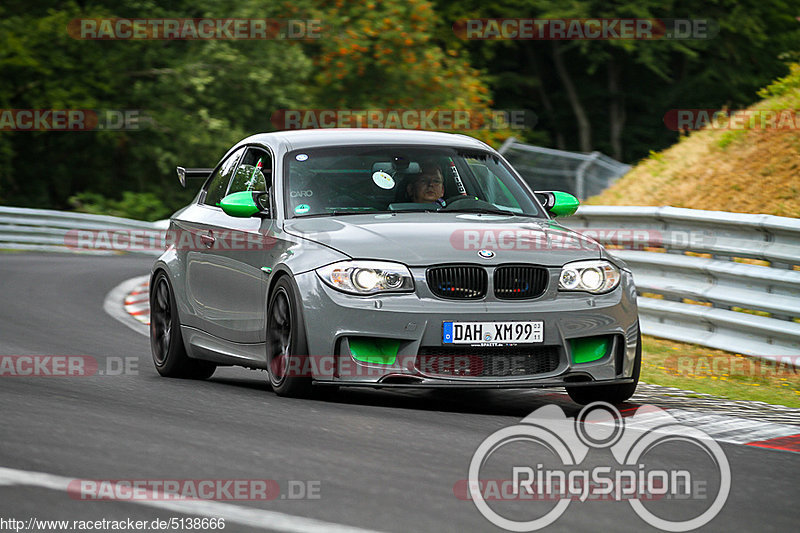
x: 747, y: 169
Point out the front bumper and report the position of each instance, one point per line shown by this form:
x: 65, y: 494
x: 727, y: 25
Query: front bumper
x: 414, y: 322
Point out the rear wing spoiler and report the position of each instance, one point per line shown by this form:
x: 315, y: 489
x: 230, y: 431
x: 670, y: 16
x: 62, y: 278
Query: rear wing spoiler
x: 193, y: 174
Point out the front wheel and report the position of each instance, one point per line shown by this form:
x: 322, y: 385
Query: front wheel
x: 166, y: 341
x: 613, y: 394
x: 287, y: 350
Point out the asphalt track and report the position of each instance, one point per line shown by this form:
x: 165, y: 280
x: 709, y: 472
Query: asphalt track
x: 384, y: 461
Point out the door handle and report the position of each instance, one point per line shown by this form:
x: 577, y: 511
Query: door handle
x: 207, y: 239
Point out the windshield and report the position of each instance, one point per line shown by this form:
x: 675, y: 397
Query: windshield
x: 358, y: 179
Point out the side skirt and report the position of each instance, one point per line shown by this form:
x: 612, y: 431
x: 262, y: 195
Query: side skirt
x: 202, y: 345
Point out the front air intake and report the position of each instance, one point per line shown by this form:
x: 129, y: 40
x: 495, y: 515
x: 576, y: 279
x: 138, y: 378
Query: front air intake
x: 458, y: 282
x: 520, y: 282
x: 487, y: 361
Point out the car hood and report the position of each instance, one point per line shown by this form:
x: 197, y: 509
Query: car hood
x: 420, y: 239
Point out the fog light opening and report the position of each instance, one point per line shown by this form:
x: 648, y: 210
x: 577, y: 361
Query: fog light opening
x: 374, y: 350
x: 589, y: 349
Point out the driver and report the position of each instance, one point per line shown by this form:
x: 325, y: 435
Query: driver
x: 427, y: 186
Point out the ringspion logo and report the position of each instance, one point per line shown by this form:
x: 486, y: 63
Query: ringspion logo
x: 558, y: 446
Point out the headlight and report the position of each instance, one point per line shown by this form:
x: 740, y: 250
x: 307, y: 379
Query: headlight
x: 367, y: 277
x: 590, y: 276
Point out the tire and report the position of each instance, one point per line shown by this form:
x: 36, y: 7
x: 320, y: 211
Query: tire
x: 166, y: 340
x: 613, y: 394
x: 286, y: 342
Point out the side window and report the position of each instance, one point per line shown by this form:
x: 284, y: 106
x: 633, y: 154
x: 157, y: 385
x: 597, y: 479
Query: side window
x: 219, y: 182
x: 254, y: 173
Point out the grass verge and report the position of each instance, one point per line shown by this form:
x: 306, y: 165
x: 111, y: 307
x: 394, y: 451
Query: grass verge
x: 724, y: 374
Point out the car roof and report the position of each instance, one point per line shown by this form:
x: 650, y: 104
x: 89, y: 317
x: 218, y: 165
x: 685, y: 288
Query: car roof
x: 317, y: 138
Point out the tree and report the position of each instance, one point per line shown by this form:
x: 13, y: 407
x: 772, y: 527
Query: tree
x: 200, y: 97
x: 616, y: 92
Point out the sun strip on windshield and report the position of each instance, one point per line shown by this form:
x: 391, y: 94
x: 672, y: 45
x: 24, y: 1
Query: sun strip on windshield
x: 457, y: 178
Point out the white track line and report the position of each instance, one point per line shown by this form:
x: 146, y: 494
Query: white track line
x: 247, y: 516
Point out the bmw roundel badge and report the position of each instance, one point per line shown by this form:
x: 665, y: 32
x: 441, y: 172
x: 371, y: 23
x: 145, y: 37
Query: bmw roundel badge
x: 486, y: 254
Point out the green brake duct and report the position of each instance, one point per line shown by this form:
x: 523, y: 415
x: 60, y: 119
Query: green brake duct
x: 374, y: 350
x: 588, y: 349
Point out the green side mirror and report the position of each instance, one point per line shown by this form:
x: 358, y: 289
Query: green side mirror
x: 245, y: 204
x: 558, y: 203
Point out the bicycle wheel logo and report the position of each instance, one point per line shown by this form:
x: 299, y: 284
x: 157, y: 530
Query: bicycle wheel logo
x: 600, y: 426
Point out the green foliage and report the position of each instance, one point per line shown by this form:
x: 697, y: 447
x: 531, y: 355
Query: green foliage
x: 782, y: 95
x: 199, y: 97
x: 139, y: 206
x: 755, y: 39
x: 788, y: 85
x: 727, y: 138
x: 202, y: 96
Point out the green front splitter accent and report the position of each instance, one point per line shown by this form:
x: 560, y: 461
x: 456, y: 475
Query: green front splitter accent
x: 374, y: 350
x: 588, y: 349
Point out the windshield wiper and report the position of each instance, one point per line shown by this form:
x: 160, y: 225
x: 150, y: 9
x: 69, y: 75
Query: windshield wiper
x: 349, y: 211
x: 485, y: 210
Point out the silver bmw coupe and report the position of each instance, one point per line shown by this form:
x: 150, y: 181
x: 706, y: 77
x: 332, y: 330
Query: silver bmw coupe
x: 388, y: 258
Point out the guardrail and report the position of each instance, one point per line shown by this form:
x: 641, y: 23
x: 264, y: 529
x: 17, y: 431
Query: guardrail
x: 581, y: 174
x: 714, y: 300
x: 53, y: 231
x: 703, y: 287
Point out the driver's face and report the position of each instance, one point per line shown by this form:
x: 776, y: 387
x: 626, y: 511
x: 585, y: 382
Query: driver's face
x: 429, y: 187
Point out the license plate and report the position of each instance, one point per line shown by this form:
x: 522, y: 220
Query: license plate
x: 494, y: 332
